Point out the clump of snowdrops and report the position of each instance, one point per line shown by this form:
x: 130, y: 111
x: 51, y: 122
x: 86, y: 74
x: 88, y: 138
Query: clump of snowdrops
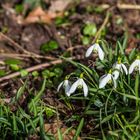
x: 115, y: 63
x: 109, y: 88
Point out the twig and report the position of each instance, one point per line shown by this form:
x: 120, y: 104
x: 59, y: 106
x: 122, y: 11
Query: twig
x: 122, y: 6
x: 128, y: 6
x: 97, y: 34
x: 15, y: 55
x: 14, y: 43
x: 30, y: 69
x: 36, y: 67
x: 101, y: 27
x: 31, y: 54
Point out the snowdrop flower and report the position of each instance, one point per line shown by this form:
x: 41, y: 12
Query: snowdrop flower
x: 97, y: 49
x: 119, y: 67
x: 80, y: 83
x: 107, y: 78
x: 66, y: 85
x: 135, y: 65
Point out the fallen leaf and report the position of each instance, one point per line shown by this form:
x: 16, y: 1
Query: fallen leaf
x: 38, y: 15
x: 132, y: 43
x: 5, y: 100
x: 59, y: 5
x: 56, y: 9
x: 52, y: 128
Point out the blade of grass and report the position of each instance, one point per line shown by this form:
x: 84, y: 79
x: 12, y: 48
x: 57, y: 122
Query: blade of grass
x: 80, y: 126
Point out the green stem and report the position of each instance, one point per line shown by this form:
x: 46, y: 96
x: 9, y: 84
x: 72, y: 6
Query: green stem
x: 137, y: 90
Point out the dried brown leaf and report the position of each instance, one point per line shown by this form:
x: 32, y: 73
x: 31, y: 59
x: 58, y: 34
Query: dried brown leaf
x: 52, y: 128
x: 59, y: 5
x: 38, y: 15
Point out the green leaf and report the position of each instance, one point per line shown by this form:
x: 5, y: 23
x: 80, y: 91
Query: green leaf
x: 19, y: 8
x: 58, y: 72
x: 12, y: 61
x: 106, y: 119
x: 85, y: 40
x: 47, y: 74
x: 23, y: 73
x: 79, y: 129
x: 90, y: 29
x: 98, y: 9
x: 4, y: 121
x: 98, y: 103
x: 132, y: 54
x: 14, y: 67
x: 35, y: 73
x: 2, y: 73
x: 49, y: 112
x: 15, y: 128
x: 38, y: 96
x: 60, y: 137
x: 49, y: 46
x: 119, y: 20
x: 120, y: 48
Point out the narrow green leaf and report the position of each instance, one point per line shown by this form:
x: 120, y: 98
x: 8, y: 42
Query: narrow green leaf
x: 79, y: 129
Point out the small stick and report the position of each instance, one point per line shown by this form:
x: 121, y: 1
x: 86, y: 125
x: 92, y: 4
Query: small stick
x: 20, y: 47
x: 101, y: 27
x: 128, y: 6
x: 36, y: 67
x: 97, y: 34
x: 14, y: 43
x: 122, y: 6
x: 15, y: 55
x: 30, y: 69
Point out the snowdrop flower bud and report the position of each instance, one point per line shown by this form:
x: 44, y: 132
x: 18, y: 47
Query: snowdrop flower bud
x: 107, y: 78
x: 79, y: 83
x: 119, y: 67
x: 135, y: 65
x: 66, y: 85
x: 97, y: 49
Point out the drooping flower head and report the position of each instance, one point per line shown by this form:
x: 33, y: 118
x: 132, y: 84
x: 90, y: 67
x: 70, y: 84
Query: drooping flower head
x: 119, y: 67
x: 97, y: 49
x: 80, y: 83
x: 66, y: 85
x: 135, y: 65
x: 107, y: 78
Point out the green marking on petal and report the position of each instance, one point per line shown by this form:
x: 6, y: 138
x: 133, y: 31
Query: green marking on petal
x: 97, y: 41
x: 82, y: 75
x: 95, y: 50
x: 138, y: 57
x: 67, y: 77
x: 119, y: 60
x: 110, y: 71
x: 110, y: 81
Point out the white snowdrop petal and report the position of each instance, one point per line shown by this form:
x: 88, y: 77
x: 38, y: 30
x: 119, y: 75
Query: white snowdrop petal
x: 100, y: 53
x: 114, y: 65
x: 124, y: 68
x: 102, y: 77
x: 73, y: 87
x: 66, y: 82
x: 114, y: 82
x: 139, y: 66
x: 85, y: 88
x: 67, y: 90
x: 132, y: 66
x: 115, y: 74
x: 59, y: 86
x: 67, y: 87
x: 104, y: 81
x: 89, y: 51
